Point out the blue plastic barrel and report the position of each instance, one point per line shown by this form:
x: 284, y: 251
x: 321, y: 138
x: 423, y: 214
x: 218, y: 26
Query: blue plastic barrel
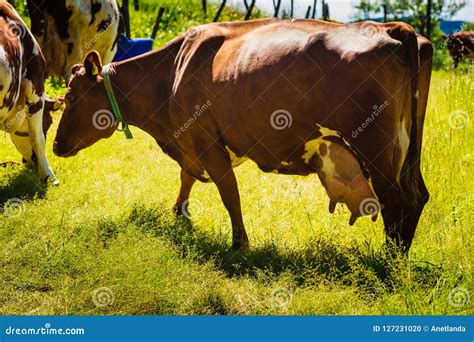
x: 128, y: 48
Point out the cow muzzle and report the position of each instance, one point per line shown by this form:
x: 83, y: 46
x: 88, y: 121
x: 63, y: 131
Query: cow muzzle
x: 60, y: 150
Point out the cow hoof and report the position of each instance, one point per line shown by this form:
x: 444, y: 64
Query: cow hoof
x: 178, y: 210
x: 51, y: 179
x: 240, y: 245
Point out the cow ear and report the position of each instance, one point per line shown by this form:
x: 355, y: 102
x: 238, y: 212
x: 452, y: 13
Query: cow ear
x: 75, y: 68
x: 53, y: 104
x: 93, y: 64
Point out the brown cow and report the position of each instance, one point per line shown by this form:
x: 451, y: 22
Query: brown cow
x: 297, y: 97
x: 22, y: 99
x: 460, y: 44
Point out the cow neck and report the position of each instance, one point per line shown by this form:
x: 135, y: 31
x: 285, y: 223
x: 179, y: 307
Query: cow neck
x: 141, y: 91
x: 113, y: 102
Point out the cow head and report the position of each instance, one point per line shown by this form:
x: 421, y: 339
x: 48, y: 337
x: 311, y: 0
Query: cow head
x: 87, y: 117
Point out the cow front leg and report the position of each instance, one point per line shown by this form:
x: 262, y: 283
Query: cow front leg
x: 392, y: 213
x: 21, y: 140
x: 37, y: 139
x: 182, y: 202
x: 217, y: 163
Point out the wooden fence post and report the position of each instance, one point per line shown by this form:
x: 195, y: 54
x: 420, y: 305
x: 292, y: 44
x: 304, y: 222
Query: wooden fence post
x: 326, y: 12
x: 428, y: 19
x: 218, y: 14
x: 276, y: 5
x: 126, y: 17
x: 249, y: 9
x: 204, y: 7
x: 313, y: 15
x: 157, y: 22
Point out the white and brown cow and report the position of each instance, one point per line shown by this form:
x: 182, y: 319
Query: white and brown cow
x: 23, y: 71
x: 67, y: 29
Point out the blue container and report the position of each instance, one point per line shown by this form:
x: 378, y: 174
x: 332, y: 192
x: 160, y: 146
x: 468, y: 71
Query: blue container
x: 128, y: 48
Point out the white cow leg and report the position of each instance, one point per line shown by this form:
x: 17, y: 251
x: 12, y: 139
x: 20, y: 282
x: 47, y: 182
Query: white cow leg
x: 108, y: 56
x: 37, y: 139
x: 21, y: 140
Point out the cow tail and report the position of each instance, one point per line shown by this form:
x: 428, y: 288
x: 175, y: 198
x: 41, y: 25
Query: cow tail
x: 407, y: 36
x: 411, y: 164
x: 413, y: 159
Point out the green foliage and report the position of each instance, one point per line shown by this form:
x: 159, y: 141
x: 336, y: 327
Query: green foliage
x: 468, y: 26
x: 412, y: 11
x: 109, y: 225
x: 179, y: 17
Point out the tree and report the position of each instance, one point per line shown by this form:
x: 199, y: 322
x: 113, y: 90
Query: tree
x: 412, y: 11
x: 366, y: 8
x: 276, y: 6
x: 326, y: 14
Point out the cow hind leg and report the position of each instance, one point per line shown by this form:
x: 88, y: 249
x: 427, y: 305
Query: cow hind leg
x: 181, y: 206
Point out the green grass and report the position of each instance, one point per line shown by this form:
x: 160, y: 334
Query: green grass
x: 110, y: 224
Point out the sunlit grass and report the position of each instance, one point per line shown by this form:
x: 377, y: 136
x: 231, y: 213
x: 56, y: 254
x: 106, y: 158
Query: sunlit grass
x: 110, y: 225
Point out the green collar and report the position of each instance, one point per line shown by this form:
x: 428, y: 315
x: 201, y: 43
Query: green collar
x: 113, y: 102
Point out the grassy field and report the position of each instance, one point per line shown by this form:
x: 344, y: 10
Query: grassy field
x: 106, y: 242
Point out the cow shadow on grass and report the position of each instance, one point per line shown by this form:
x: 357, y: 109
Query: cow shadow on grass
x: 321, y: 260
x: 22, y: 183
